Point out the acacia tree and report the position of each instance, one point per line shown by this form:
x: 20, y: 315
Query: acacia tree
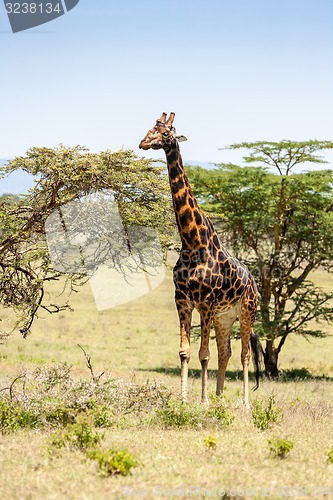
x: 63, y: 175
x: 280, y: 221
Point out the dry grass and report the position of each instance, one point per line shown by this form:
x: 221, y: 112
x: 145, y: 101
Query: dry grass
x: 139, y: 342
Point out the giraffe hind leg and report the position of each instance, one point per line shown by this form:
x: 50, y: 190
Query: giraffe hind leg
x: 245, y: 332
x: 222, y: 326
x: 247, y: 318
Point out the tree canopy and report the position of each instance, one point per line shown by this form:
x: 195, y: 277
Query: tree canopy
x: 281, y: 223
x: 63, y: 175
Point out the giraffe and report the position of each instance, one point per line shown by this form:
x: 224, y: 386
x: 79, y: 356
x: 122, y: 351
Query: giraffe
x: 206, y: 276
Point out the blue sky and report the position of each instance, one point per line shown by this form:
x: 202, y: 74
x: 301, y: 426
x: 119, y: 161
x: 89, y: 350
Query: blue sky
x: 232, y: 70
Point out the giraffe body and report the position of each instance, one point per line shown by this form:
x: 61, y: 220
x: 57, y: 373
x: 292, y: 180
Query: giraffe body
x: 206, y: 276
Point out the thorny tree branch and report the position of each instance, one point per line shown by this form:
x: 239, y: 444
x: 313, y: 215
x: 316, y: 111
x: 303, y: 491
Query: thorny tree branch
x: 87, y: 356
x: 11, y: 387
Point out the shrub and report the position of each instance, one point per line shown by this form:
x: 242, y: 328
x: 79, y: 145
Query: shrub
x: 219, y: 411
x: 175, y: 413
x: 60, y: 415
x: 178, y: 414
x: 50, y: 397
x: 329, y: 456
x: 112, y: 462
x: 80, y: 435
x: 210, y: 442
x: 263, y: 416
x: 279, y: 448
x: 14, y: 416
x: 102, y: 416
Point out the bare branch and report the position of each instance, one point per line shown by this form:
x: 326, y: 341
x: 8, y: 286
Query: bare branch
x: 11, y: 387
x: 87, y: 356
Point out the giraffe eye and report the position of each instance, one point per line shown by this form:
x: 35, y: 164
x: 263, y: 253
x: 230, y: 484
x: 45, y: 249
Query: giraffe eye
x: 165, y: 134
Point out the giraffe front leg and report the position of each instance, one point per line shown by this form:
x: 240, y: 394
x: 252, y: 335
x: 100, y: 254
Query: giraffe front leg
x: 204, y: 353
x: 184, y: 354
x: 222, y: 326
x: 224, y: 353
x: 185, y: 316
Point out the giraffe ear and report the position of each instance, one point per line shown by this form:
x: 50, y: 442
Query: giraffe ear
x: 181, y: 138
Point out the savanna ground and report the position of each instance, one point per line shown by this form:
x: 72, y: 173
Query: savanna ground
x: 55, y: 414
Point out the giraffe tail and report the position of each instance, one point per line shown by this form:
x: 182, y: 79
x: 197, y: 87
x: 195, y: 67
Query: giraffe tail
x: 257, y: 357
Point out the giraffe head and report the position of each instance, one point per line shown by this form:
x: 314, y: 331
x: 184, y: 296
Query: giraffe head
x: 162, y: 135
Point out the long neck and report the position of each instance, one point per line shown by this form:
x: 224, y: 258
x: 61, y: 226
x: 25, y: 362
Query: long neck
x: 195, y: 228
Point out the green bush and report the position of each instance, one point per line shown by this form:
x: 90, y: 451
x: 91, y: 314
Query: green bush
x: 80, y: 435
x: 178, y: 414
x: 50, y: 397
x: 279, y: 448
x: 14, y: 416
x: 102, y: 416
x: 263, y: 416
x: 210, y: 442
x: 112, y: 462
x: 329, y: 456
x: 219, y: 411
x: 175, y: 413
x: 60, y: 415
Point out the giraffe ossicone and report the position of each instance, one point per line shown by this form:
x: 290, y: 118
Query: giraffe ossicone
x: 206, y: 276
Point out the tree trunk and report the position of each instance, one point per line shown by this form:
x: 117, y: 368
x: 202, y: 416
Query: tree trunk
x: 271, y: 355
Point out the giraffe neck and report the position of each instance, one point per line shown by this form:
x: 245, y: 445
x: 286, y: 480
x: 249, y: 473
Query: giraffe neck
x: 195, y: 228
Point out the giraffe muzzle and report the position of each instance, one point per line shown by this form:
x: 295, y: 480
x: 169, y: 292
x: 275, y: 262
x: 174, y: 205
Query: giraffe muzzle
x: 144, y: 145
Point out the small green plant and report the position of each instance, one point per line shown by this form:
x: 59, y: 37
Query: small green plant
x: 175, y: 413
x: 263, y: 416
x: 279, y: 448
x: 60, y: 415
x: 219, y: 411
x: 178, y: 414
x: 14, y: 416
x: 210, y: 442
x: 112, y: 462
x: 80, y: 435
x: 102, y: 416
x: 329, y: 456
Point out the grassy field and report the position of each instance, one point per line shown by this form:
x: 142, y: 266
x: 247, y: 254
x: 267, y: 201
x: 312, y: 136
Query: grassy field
x: 187, y: 452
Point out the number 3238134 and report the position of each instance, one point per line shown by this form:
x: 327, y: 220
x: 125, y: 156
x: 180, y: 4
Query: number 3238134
x: 33, y: 8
